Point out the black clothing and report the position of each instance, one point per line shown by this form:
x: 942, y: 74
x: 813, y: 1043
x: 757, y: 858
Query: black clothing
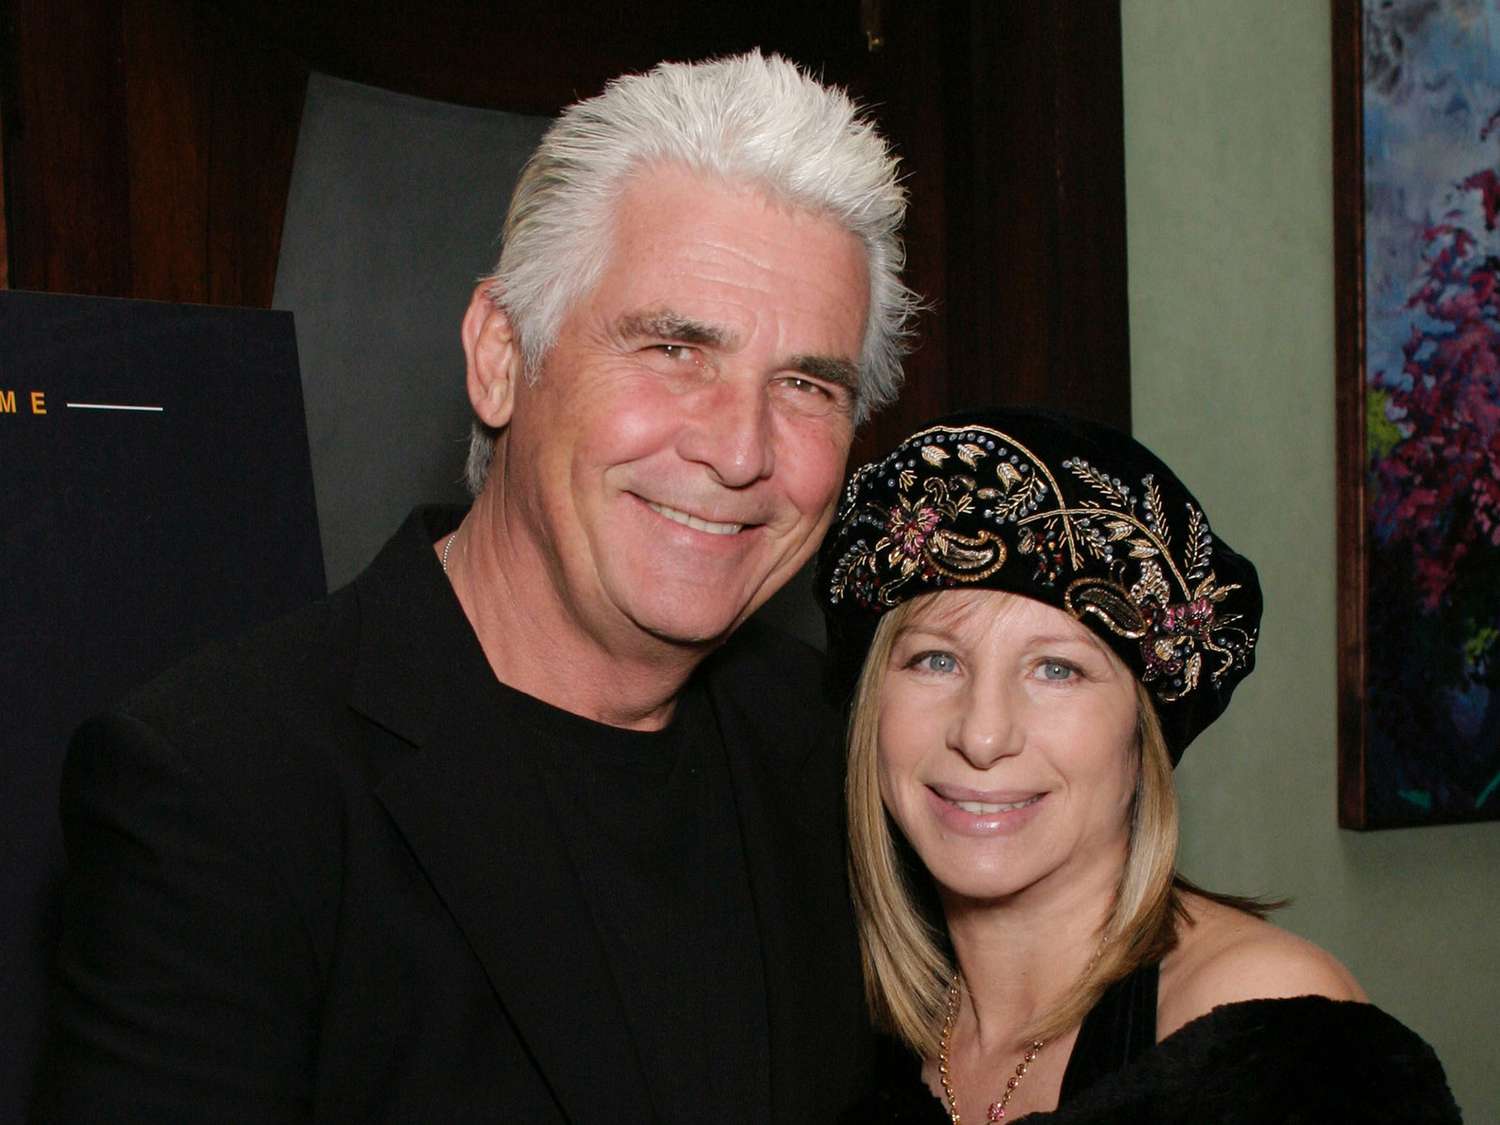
x: 317, y: 874
x: 648, y: 821
x: 1119, y: 1029
x: 1302, y: 1061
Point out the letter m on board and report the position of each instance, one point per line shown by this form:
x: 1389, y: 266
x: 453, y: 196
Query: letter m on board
x: 7, y: 402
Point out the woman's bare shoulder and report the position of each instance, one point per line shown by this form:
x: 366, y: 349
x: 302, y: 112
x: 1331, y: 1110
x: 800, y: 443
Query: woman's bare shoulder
x: 1225, y: 956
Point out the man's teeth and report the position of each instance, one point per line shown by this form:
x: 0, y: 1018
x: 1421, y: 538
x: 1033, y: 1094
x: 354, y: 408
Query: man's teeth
x: 983, y: 808
x: 694, y: 522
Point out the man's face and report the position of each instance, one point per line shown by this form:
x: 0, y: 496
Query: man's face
x: 678, y: 459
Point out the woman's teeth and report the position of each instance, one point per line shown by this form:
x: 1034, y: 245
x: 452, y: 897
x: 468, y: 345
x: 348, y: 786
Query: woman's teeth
x: 984, y: 808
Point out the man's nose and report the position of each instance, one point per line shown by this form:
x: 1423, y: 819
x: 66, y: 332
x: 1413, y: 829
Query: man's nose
x: 730, y: 432
x: 989, y: 725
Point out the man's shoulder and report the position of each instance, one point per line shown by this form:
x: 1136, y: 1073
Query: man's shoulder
x: 275, y: 668
x: 300, y: 665
x: 249, y: 737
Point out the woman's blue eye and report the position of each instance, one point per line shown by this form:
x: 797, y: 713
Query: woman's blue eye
x: 1055, y: 670
x: 943, y: 662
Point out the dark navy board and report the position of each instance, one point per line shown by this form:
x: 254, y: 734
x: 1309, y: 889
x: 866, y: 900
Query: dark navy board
x: 128, y: 538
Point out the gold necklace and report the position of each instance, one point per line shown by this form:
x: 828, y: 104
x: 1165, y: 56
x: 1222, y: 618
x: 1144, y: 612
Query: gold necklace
x: 997, y: 1108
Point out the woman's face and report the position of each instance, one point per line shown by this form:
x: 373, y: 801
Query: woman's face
x: 1006, y: 749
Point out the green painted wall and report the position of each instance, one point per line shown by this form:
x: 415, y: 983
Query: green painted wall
x: 1229, y: 188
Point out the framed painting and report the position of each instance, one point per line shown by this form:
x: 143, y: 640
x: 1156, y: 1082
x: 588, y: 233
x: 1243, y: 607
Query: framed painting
x: 1417, y: 268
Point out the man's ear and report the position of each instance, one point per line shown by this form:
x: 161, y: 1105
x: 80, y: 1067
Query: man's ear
x: 493, y: 359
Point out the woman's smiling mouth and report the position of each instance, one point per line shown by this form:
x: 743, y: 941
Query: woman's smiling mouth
x: 971, y: 812
x: 983, y: 808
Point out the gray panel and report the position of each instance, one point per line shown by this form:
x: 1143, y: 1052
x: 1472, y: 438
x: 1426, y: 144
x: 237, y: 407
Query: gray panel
x: 395, y: 208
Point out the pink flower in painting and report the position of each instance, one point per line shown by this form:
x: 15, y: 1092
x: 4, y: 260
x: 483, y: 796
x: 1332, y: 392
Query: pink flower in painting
x: 1436, y: 488
x: 1488, y: 186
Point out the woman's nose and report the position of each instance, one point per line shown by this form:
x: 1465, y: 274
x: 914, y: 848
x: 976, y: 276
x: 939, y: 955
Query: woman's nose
x: 989, y: 726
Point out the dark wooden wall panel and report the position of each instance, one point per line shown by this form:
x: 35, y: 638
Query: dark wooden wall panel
x: 1091, y: 308
x: 538, y: 57
x: 997, y: 90
x: 902, y: 83
x: 149, y: 145
x: 1038, y: 165
x: 257, y: 90
x: 65, y: 142
x: 168, y: 122
x: 1011, y: 120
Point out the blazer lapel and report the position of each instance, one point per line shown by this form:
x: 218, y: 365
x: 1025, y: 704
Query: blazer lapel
x: 476, y: 818
x: 787, y: 791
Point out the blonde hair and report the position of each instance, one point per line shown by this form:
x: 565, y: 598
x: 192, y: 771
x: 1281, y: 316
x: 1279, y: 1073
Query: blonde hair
x: 907, y: 959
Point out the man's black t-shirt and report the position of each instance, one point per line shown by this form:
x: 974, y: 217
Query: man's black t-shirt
x: 650, y: 825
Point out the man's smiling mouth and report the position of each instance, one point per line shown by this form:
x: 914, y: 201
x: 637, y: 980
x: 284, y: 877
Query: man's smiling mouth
x: 694, y: 522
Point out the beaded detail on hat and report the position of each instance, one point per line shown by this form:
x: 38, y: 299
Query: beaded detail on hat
x: 1117, y: 542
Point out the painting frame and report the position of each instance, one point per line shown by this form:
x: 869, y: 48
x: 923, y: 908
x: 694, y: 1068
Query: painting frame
x: 1364, y: 782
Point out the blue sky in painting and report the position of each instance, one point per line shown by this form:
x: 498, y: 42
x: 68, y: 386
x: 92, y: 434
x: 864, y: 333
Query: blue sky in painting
x: 1432, y: 81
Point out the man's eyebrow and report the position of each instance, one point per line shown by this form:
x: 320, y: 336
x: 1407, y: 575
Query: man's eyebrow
x: 667, y: 325
x: 664, y: 324
x: 831, y: 369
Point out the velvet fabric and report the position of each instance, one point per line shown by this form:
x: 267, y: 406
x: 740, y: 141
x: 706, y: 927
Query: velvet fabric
x: 1302, y: 1061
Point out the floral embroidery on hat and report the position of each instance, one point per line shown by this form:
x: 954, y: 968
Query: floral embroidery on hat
x: 951, y: 506
x: 909, y: 526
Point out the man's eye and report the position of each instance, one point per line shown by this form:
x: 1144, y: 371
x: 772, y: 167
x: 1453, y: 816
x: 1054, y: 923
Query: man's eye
x: 807, y: 386
x: 813, y: 396
x: 678, y: 353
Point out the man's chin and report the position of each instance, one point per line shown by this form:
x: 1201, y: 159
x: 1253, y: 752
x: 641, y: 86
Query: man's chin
x: 698, y: 631
x: 692, y: 635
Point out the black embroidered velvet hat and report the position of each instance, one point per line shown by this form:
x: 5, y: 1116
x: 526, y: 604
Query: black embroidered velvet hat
x: 1070, y: 512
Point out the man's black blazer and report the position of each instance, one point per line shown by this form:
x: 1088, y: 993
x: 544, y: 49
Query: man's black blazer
x: 311, y: 875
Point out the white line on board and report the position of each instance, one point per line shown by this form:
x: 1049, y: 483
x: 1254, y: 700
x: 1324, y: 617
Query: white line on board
x: 110, y: 406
